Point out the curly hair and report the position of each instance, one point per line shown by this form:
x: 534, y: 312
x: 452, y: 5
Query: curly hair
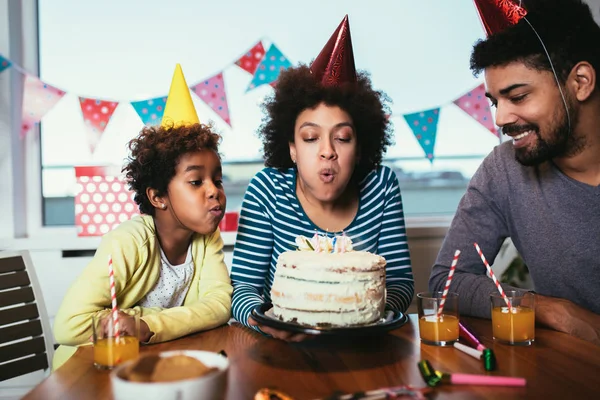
x: 567, y: 29
x: 297, y: 90
x: 155, y: 153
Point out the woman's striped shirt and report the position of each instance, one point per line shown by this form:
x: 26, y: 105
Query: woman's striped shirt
x: 271, y: 218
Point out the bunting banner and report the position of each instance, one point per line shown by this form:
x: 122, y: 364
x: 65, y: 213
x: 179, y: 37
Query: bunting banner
x: 96, y: 115
x: 150, y: 111
x: 212, y: 92
x: 477, y: 105
x: 269, y: 68
x: 38, y: 99
x: 4, y: 64
x: 265, y: 67
x: 424, y: 126
x: 252, y: 58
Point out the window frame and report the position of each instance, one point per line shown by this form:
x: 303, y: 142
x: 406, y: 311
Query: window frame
x: 27, y: 200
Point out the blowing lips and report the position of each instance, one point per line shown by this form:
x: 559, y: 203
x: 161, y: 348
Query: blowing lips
x: 327, y: 175
x: 216, y: 211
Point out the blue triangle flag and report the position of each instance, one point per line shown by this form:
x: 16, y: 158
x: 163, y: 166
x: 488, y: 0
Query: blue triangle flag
x: 269, y: 68
x: 4, y: 63
x: 150, y: 111
x: 424, y: 126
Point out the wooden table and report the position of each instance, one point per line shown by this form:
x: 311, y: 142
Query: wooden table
x: 556, y: 366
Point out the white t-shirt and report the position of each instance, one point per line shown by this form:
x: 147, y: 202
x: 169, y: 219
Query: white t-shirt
x: 172, y: 285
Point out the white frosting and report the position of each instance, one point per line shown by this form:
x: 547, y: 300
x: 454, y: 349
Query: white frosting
x: 338, y: 289
x: 358, y: 260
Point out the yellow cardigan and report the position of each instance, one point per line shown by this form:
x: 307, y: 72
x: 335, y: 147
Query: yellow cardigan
x: 135, y: 252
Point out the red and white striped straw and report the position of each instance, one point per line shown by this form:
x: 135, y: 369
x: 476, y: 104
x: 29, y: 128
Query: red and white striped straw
x: 113, y: 297
x: 489, y: 269
x: 448, y: 281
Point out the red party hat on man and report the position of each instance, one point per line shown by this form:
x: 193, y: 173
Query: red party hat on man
x: 335, y: 63
x: 497, y: 15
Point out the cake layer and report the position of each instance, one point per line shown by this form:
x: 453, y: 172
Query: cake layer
x: 336, y: 262
x: 290, y: 292
x: 350, y: 318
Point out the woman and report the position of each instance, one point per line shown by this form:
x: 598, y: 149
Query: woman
x: 324, y: 137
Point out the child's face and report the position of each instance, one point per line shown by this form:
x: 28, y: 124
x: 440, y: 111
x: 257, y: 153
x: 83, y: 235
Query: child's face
x: 196, y: 196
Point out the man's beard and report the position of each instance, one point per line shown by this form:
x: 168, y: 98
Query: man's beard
x: 561, y: 142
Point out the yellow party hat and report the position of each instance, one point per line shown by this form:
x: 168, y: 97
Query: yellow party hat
x: 179, y: 110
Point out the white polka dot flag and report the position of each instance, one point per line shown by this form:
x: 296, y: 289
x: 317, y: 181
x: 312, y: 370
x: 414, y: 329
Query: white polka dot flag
x: 250, y: 60
x: 96, y: 115
x: 150, y: 111
x: 269, y: 68
x: 424, y: 126
x: 38, y: 99
x: 212, y: 92
x: 102, y: 200
x: 477, y: 106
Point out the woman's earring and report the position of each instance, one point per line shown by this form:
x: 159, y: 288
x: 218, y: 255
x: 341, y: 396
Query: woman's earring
x: 164, y: 206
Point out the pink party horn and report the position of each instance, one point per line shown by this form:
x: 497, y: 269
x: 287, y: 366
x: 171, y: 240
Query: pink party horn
x: 485, y: 380
x: 448, y: 281
x: 489, y: 269
x: 433, y: 377
x: 468, y: 336
x: 487, y: 355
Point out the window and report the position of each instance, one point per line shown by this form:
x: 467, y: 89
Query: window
x: 417, y: 52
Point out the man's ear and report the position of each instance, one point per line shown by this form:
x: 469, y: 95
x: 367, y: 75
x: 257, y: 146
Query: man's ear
x: 156, y: 200
x: 583, y: 80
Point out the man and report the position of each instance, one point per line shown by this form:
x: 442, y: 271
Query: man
x: 542, y: 189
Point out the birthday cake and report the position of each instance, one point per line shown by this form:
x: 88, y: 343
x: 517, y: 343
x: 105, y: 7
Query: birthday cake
x: 326, y: 283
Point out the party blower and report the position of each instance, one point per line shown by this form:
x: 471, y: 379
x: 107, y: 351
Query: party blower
x: 434, y: 378
x: 479, y: 351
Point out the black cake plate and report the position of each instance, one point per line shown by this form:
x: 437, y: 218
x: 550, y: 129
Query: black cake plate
x: 263, y: 314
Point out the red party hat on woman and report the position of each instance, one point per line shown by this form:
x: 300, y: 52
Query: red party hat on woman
x: 335, y: 63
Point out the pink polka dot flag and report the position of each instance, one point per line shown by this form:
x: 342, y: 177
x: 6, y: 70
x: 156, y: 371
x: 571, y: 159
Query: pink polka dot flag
x: 477, y: 106
x: 150, y: 111
x: 269, y: 68
x: 4, y: 63
x: 38, y: 99
x: 102, y: 200
x: 212, y: 92
x: 96, y: 115
x: 424, y: 126
x: 252, y: 58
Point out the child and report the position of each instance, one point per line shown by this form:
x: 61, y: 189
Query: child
x: 168, y: 263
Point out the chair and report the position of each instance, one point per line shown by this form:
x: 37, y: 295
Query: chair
x: 26, y: 343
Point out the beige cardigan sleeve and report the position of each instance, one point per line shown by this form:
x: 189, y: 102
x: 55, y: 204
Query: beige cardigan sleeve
x: 90, y: 292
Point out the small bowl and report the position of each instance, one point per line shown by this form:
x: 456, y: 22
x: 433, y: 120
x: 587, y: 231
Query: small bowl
x: 211, y: 386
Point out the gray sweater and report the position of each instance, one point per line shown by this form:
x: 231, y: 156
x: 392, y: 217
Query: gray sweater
x: 553, y: 221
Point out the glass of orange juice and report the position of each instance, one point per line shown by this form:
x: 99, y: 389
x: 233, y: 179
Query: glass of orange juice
x: 514, y: 325
x: 435, y: 328
x: 111, y: 350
